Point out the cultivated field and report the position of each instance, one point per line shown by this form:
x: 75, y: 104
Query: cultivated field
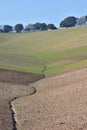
x: 59, y: 104
x: 13, y: 84
x: 8, y: 92
x: 60, y: 50
x: 60, y: 101
x: 17, y: 77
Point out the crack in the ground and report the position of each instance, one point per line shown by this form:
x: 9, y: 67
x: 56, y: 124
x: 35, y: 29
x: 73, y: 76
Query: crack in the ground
x: 12, y: 110
x: 12, y: 114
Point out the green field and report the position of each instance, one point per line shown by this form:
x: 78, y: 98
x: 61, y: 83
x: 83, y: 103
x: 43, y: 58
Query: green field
x: 60, y: 50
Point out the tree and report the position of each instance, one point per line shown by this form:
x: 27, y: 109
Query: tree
x: 68, y: 22
x: 44, y: 69
x: 7, y: 28
x: 51, y: 26
x: 86, y: 18
x: 30, y: 27
x: 37, y: 26
x: 18, y: 28
x: 43, y: 26
x: 81, y: 21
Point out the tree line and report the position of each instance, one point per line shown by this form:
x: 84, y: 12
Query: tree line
x: 69, y: 21
x: 73, y: 21
x: 29, y: 28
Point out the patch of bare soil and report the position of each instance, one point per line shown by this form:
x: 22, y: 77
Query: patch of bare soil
x: 6, y: 122
x: 10, y: 91
x: 18, y: 77
x: 59, y: 104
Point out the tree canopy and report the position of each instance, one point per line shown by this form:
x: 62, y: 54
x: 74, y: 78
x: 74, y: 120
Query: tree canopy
x: 7, y: 28
x: 51, y: 26
x: 18, y: 28
x: 82, y: 20
x: 68, y: 22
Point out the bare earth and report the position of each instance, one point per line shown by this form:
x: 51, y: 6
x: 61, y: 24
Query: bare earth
x: 8, y: 92
x: 59, y: 104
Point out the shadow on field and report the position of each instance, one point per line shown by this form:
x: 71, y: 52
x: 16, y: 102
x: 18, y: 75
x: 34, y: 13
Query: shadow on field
x: 18, y: 77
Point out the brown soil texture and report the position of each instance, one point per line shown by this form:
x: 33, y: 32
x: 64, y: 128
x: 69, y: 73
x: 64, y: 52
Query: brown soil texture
x: 59, y: 104
x: 6, y: 122
x: 13, y: 76
x: 8, y: 92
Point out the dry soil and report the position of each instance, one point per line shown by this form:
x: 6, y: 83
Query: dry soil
x: 59, y: 104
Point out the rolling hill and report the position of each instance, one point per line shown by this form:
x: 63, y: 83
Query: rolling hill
x: 60, y: 50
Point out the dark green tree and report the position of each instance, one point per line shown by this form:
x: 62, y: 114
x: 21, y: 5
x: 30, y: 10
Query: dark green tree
x: 18, y: 28
x: 68, y: 22
x: 43, y: 26
x: 37, y: 26
x: 51, y: 26
x: 86, y: 18
x: 7, y: 28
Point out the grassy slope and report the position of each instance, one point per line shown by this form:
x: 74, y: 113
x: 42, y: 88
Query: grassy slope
x: 60, y: 50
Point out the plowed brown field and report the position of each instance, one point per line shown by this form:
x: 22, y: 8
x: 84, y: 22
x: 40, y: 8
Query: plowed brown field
x: 59, y: 104
x: 9, y: 91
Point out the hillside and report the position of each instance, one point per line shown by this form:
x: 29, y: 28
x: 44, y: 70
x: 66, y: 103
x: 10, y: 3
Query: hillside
x: 60, y: 103
x: 60, y: 50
